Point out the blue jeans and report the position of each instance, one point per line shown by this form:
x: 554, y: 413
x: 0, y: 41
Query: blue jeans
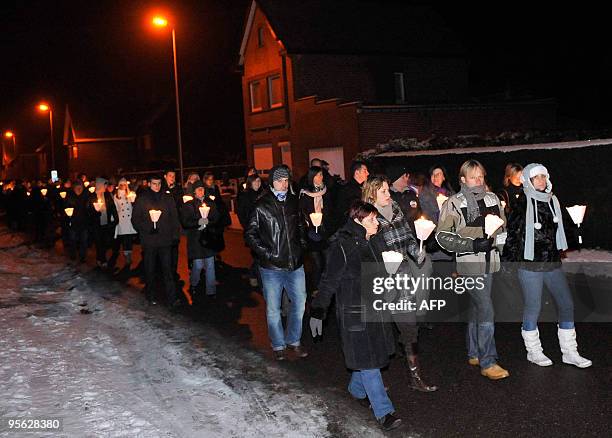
x: 369, y: 383
x: 207, y: 264
x: 293, y: 282
x: 480, y: 334
x: 532, y: 284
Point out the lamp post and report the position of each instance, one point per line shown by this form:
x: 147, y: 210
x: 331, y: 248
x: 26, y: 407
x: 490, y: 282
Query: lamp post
x: 159, y: 21
x: 43, y: 107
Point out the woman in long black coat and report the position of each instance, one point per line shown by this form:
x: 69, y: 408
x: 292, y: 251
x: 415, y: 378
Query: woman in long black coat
x: 367, y: 335
x: 204, y: 238
x: 315, y: 198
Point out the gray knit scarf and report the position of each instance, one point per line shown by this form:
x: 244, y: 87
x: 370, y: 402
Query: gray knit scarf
x: 472, y: 196
x: 533, y: 195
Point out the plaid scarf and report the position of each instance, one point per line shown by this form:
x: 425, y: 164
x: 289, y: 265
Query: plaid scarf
x: 395, y: 232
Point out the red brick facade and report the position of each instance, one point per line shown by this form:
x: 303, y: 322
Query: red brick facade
x: 359, y: 110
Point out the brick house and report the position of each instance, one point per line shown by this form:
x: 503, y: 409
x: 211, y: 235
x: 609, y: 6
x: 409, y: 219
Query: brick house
x: 330, y: 79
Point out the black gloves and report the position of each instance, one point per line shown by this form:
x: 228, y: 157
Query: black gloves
x: 483, y: 245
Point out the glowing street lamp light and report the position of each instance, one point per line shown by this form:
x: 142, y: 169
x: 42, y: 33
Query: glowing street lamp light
x: 159, y: 21
x: 9, y: 134
x: 43, y: 107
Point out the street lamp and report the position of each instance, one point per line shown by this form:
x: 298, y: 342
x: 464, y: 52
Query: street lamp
x: 160, y: 21
x: 43, y: 107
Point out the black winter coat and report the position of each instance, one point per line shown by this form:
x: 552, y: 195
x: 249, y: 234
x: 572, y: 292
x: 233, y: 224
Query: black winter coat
x: 317, y: 239
x: 367, y: 334
x: 112, y: 217
x: 546, y: 256
x: 345, y: 196
x: 246, y: 204
x: 202, y: 243
x: 81, y: 215
x: 167, y: 230
x: 510, y: 195
x: 275, y: 232
x: 175, y: 191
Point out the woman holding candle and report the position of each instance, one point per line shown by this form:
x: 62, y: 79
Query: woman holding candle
x: 314, y: 198
x: 367, y: 336
x: 105, y: 218
x: 201, y: 221
x: 124, y: 231
x: 536, y: 237
x: 396, y: 235
x: 461, y: 230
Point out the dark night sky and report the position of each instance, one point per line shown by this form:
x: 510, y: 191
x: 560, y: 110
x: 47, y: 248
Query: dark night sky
x: 102, y: 59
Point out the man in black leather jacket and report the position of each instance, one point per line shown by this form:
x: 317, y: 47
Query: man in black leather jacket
x: 275, y: 234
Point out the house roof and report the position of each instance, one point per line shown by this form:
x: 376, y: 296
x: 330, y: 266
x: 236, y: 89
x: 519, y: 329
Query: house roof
x: 366, y: 27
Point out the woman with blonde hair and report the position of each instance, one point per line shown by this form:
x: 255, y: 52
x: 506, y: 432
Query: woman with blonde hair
x: 396, y: 235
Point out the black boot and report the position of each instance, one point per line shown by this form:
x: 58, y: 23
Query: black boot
x: 416, y: 382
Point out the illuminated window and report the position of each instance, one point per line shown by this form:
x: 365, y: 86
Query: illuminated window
x: 75, y: 151
x: 255, y: 92
x: 275, y: 93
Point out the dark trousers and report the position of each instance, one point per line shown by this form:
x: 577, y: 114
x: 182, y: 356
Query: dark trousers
x: 77, y: 240
x: 126, y: 240
x: 151, y: 257
x: 103, y: 239
x: 319, y: 259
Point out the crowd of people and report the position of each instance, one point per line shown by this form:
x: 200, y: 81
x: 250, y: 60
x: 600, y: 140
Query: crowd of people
x: 318, y: 239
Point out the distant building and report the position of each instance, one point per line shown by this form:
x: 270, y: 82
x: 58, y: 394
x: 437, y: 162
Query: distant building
x: 332, y: 78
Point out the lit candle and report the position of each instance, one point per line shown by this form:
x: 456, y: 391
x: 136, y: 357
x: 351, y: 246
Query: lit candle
x: 86, y: 183
x: 503, y: 204
x: 62, y: 195
x: 98, y: 205
x: 69, y: 211
x: 316, y: 219
x: 44, y: 192
x: 441, y: 199
x: 577, y: 212
x: 155, y: 214
x: 131, y: 196
x: 187, y: 198
x: 492, y: 223
x: 204, y: 209
x: 423, y: 228
x: 212, y: 198
x: 92, y: 189
x: 392, y: 261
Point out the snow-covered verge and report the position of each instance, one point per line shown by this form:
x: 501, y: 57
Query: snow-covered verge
x: 98, y: 357
x: 591, y: 262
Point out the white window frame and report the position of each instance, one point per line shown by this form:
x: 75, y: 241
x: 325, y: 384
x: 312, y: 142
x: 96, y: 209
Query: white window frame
x: 255, y: 109
x: 269, y: 80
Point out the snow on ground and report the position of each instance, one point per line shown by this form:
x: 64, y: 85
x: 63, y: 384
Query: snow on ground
x: 111, y: 366
x: 591, y: 262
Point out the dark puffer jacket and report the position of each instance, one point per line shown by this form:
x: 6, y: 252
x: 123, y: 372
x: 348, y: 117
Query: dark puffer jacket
x: 546, y: 256
x: 367, y: 335
x: 275, y: 232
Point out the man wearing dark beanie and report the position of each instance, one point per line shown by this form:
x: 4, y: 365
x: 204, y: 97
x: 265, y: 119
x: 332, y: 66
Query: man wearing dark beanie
x: 275, y: 234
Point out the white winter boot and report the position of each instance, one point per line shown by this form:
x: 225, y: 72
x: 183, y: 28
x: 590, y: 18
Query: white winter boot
x: 569, y: 348
x: 533, y: 345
